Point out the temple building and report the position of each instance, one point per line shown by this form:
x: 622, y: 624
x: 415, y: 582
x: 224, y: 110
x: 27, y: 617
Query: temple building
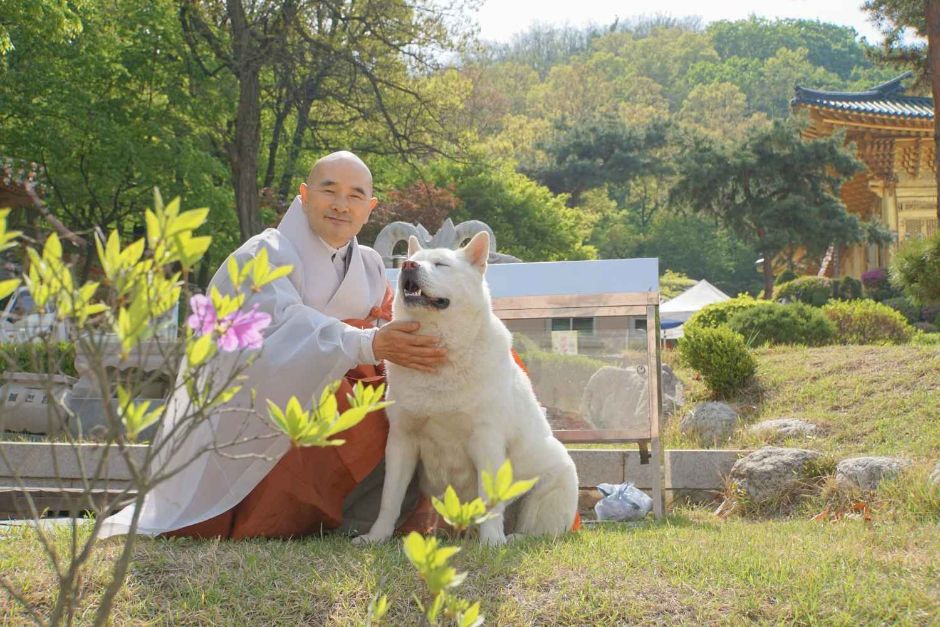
x: 893, y: 136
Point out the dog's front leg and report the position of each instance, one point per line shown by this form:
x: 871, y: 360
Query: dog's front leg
x: 401, y: 459
x: 489, y: 454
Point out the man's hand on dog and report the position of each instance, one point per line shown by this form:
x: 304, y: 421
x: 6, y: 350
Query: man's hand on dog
x: 399, y: 343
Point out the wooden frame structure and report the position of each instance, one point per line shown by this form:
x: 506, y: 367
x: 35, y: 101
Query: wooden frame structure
x: 645, y: 304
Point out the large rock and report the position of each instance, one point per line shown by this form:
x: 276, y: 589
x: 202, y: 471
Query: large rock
x: 867, y: 472
x: 618, y: 398
x: 711, y: 422
x: 935, y: 475
x: 771, y: 473
x: 783, y: 428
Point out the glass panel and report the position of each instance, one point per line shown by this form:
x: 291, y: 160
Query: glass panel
x: 592, y: 376
x: 561, y: 324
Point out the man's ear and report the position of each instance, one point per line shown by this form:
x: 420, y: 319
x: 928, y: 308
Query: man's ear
x: 303, y: 193
x: 477, y: 250
x: 413, y: 245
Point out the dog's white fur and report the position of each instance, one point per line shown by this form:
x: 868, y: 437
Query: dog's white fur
x: 474, y: 412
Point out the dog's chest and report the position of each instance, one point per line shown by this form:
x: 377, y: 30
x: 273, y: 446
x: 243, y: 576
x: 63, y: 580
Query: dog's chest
x: 445, y: 461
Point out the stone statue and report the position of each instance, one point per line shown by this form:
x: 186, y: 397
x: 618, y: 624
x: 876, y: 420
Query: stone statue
x: 448, y: 236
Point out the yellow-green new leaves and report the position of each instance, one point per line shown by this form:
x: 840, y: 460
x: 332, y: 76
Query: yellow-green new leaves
x: 50, y: 283
x: 258, y: 269
x: 135, y: 416
x: 199, y: 349
x: 378, y: 608
x: 459, y: 515
x: 314, y: 428
x: 170, y: 233
x: 6, y: 241
x: 431, y: 561
x: 503, y: 488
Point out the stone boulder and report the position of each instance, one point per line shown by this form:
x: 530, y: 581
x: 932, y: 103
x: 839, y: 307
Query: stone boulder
x: 771, y: 473
x: 783, y: 428
x: 618, y: 398
x: 935, y: 475
x: 867, y: 472
x: 711, y: 422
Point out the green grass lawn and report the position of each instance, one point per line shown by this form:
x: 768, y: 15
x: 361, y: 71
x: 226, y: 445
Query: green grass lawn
x: 870, y: 400
x: 692, y: 568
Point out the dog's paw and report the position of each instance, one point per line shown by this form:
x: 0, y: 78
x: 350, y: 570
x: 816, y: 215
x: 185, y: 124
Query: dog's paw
x: 492, y: 539
x: 370, y: 538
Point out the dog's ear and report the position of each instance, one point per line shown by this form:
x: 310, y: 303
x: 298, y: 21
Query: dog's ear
x: 413, y: 245
x: 478, y: 249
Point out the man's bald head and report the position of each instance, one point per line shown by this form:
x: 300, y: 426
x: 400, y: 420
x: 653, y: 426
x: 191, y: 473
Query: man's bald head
x: 341, y: 158
x: 337, y: 197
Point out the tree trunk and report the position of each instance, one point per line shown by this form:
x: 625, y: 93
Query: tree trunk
x: 933, y: 68
x: 243, y: 153
x: 768, y: 276
x: 274, y: 144
x: 293, y: 152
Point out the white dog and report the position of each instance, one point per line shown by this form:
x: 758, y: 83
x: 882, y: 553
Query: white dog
x: 473, y: 413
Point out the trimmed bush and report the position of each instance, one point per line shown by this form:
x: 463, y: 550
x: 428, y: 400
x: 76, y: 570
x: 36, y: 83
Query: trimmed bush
x: 867, y: 322
x: 925, y: 339
x: 812, y: 290
x: 720, y: 356
x: 847, y: 288
x: 908, y: 309
x: 785, y: 277
x: 718, y: 314
x: 37, y: 357
x: 775, y: 323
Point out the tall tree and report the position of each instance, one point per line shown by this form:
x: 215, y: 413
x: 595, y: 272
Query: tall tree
x: 774, y: 191
x: 358, y: 60
x: 600, y: 152
x: 895, y: 18
x: 105, y: 113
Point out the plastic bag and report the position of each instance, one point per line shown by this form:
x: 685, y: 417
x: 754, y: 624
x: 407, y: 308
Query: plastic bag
x: 622, y: 502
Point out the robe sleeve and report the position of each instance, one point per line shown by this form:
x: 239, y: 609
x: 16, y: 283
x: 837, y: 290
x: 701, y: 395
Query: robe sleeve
x: 299, y: 335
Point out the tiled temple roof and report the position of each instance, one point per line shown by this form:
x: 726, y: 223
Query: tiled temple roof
x: 885, y: 99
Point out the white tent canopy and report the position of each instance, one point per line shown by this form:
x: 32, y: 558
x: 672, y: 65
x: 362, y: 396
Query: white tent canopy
x: 681, y: 308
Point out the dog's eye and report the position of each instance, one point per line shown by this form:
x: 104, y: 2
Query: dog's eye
x: 438, y: 264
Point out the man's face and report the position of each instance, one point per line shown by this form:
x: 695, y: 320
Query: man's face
x: 337, y: 199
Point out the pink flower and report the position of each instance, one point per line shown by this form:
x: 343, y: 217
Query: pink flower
x: 203, y: 318
x: 242, y: 329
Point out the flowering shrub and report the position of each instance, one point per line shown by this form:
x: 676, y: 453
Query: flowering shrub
x: 874, y: 278
x: 142, y: 283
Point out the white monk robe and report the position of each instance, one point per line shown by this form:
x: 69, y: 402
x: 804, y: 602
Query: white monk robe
x: 306, y: 347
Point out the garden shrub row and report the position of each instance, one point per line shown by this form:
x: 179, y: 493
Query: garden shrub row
x: 721, y: 356
x: 38, y: 357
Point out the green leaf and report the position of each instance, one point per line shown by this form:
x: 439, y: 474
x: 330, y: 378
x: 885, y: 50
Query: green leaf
x: 8, y: 287
x: 188, y: 220
x: 416, y: 549
x: 198, y: 350
x: 471, y: 617
x: 53, y: 247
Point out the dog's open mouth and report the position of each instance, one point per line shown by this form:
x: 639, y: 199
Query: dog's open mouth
x: 416, y: 297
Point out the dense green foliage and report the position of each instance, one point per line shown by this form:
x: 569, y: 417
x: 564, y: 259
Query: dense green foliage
x: 867, y: 322
x: 720, y: 356
x: 600, y: 117
x: 915, y: 269
x: 774, y: 323
x: 909, y: 310
x: 38, y: 357
x: 717, y: 314
x: 811, y: 290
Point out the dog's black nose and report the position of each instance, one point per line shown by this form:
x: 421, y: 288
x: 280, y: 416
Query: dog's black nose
x: 409, y: 265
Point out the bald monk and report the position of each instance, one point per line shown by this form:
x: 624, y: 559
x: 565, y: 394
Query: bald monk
x: 325, y: 327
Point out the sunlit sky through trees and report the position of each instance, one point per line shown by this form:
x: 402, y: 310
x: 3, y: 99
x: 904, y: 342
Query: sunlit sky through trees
x: 500, y: 19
